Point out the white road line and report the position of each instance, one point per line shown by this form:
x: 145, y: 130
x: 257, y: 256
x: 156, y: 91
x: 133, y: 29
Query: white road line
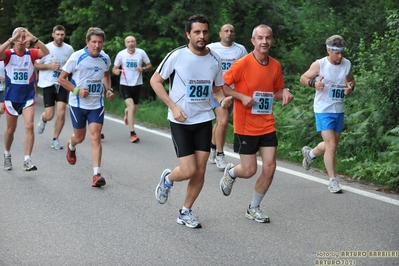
x: 281, y: 169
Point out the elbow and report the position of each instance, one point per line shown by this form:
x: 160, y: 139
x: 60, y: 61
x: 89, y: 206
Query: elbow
x: 61, y: 82
x: 302, y: 80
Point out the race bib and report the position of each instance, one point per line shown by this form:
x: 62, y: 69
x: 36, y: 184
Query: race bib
x: 56, y: 75
x: 20, y: 76
x: 265, y: 103
x: 198, y: 90
x: 226, y: 64
x: 94, y: 86
x: 336, y: 94
x: 131, y: 64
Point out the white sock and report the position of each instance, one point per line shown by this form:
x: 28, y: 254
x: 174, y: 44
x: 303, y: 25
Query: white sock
x: 26, y: 157
x: 96, y: 170
x: 256, y: 200
x: 312, y: 155
x: 185, y: 210
x: 168, y: 183
x: 231, y: 173
x: 70, y: 147
x: 7, y: 153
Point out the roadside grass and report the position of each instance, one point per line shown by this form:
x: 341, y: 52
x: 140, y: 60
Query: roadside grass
x: 295, y: 128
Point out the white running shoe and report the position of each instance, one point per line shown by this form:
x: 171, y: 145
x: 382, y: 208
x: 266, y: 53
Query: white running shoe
x: 226, y: 183
x: 188, y: 219
x: 221, y: 161
x: 41, y: 126
x: 212, y: 156
x: 334, y: 186
x: 307, y: 161
x: 55, y: 144
x: 257, y: 215
x: 29, y: 166
x: 162, y: 189
x: 7, y: 163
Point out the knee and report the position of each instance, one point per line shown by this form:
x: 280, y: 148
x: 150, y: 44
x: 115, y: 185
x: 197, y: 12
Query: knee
x: 10, y: 130
x: 331, y: 146
x: 248, y: 172
x: 61, y: 115
x: 48, y: 115
x: 95, y: 137
x: 270, y: 167
x: 29, y: 126
x: 79, y: 139
x: 189, y: 173
x: 222, y: 120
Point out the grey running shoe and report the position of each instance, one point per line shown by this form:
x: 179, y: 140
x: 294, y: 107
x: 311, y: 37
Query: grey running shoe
x: 29, y: 166
x: 334, y: 186
x: 307, y: 161
x: 162, y: 190
x: 226, y: 183
x: 220, y: 161
x: 257, y: 215
x: 212, y: 156
x: 40, y: 126
x: 188, y: 219
x: 7, y: 163
x: 55, y: 144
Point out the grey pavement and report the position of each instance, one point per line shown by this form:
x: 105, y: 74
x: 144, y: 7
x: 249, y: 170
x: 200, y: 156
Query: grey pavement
x: 54, y: 217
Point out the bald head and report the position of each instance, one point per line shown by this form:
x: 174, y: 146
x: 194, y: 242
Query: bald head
x: 227, y: 34
x: 130, y: 43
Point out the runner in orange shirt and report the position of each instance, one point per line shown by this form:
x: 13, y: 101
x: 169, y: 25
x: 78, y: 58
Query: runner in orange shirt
x: 258, y: 81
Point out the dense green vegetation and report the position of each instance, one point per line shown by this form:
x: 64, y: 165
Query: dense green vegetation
x: 370, y: 141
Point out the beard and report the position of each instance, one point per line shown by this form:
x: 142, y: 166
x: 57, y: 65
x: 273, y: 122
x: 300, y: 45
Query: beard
x: 59, y: 42
x: 199, y: 47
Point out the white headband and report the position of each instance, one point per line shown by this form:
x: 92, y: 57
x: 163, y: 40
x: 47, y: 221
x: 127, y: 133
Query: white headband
x: 335, y: 49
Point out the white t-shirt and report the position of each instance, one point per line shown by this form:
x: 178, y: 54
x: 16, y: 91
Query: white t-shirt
x: 2, y: 75
x: 57, y: 54
x: 191, y: 78
x: 331, y: 98
x: 129, y: 62
x: 228, y: 54
x: 87, y: 72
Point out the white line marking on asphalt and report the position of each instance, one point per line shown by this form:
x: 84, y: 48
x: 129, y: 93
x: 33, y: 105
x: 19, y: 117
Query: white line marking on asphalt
x: 281, y: 169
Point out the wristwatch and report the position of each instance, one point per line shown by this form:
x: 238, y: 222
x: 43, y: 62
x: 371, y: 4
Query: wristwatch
x: 287, y: 89
x: 143, y: 68
x: 111, y: 89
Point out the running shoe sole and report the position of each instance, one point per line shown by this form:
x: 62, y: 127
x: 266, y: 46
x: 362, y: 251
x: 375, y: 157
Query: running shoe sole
x: 182, y: 222
x: 99, y: 183
x: 249, y: 216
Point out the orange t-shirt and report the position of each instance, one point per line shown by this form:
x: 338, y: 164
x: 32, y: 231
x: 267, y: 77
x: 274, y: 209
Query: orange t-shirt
x: 251, y: 78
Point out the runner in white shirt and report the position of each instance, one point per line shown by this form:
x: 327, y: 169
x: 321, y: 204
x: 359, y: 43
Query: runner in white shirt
x: 333, y: 80
x: 129, y: 64
x: 194, y: 73
x: 49, y: 68
x: 90, y: 76
x: 229, y: 51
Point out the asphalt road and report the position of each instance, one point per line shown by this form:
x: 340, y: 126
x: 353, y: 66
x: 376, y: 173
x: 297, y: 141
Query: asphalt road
x: 54, y: 217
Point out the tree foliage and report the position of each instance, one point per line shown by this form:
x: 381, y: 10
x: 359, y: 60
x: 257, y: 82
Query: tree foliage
x: 369, y: 142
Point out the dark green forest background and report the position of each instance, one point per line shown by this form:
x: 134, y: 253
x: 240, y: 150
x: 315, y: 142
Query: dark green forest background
x: 370, y: 141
